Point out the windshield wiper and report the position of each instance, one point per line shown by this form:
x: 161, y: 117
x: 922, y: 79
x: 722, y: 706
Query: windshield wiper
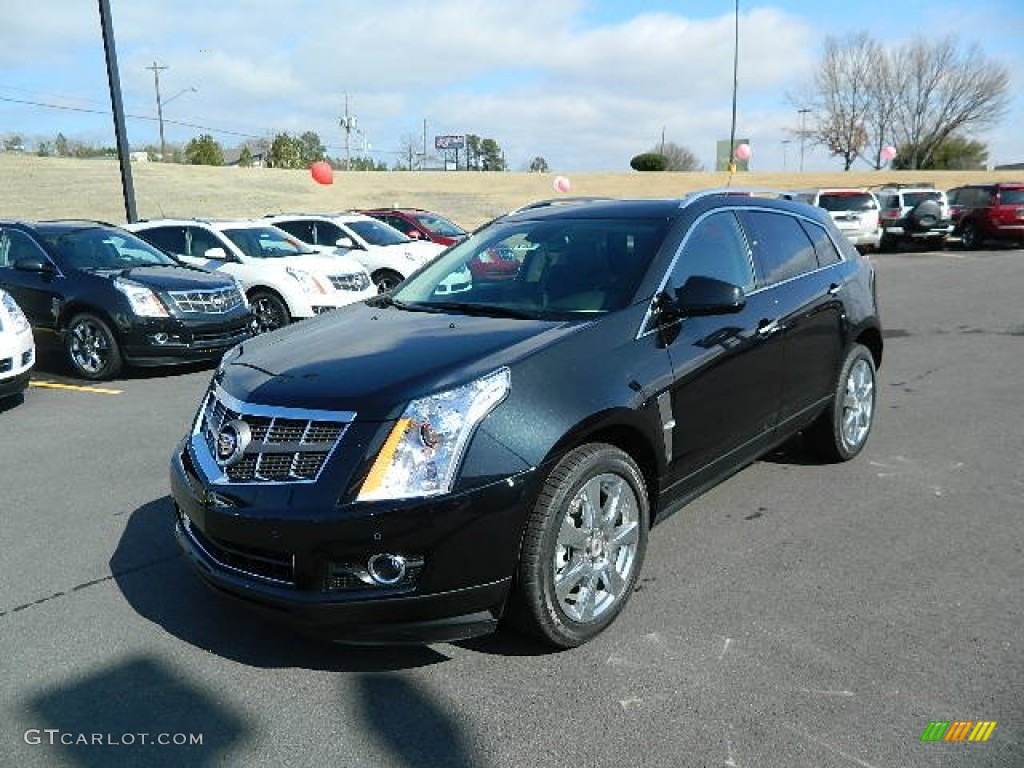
x: 484, y: 310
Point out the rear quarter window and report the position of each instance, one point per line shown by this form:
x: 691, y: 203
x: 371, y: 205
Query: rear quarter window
x: 824, y: 249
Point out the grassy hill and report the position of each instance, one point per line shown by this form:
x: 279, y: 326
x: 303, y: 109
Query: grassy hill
x: 42, y: 187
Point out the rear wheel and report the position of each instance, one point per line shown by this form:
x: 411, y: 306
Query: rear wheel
x: 91, y: 348
x: 842, y: 430
x: 969, y: 237
x: 583, y: 547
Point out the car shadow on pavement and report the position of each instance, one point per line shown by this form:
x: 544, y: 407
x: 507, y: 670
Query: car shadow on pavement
x: 158, y: 583
x: 51, y: 364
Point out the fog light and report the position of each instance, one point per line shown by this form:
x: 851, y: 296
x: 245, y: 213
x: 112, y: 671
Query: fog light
x: 386, y: 569
x: 161, y: 338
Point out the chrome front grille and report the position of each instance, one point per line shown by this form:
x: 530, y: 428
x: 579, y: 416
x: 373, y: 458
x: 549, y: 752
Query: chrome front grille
x: 283, y: 445
x: 217, y: 301
x: 356, y: 281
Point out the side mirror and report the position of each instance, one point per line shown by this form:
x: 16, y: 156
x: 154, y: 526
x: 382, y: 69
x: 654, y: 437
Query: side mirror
x: 702, y: 296
x: 414, y: 234
x: 216, y: 253
x: 34, y: 264
x: 345, y: 242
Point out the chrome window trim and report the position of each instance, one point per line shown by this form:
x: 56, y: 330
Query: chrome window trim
x: 649, y: 314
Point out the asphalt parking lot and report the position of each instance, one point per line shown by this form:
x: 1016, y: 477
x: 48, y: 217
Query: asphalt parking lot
x: 797, y: 615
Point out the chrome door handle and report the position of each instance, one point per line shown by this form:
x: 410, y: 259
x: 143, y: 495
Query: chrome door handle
x: 766, y: 328
x: 833, y: 290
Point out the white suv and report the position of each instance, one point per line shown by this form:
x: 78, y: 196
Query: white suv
x: 283, y: 279
x: 912, y: 214
x: 388, y: 254
x: 17, y: 348
x: 854, y: 210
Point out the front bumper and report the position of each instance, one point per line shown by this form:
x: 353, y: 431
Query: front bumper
x: 17, y: 356
x: 166, y: 341
x: 306, y: 563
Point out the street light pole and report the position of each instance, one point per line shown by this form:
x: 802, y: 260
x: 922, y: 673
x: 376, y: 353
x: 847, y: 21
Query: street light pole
x: 785, y: 153
x: 159, y: 107
x: 803, y: 134
x: 735, y: 84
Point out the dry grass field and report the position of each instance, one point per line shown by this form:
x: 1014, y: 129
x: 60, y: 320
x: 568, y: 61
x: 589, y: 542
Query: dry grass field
x: 39, y: 187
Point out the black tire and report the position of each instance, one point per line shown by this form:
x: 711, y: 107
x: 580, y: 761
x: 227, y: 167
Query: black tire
x: 842, y: 431
x: 269, y: 312
x: 91, y: 348
x: 386, y: 279
x: 969, y: 237
x: 573, y: 580
x: 886, y: 243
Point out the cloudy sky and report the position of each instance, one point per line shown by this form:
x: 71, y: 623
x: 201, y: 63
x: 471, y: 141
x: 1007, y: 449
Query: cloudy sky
x: 585, y: 84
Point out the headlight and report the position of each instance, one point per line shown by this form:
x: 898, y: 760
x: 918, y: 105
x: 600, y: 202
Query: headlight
x: 424, y: 449
x: 308, y: 282
x: 14, y: 314
x: 241, y: 291
x: 143, y: 301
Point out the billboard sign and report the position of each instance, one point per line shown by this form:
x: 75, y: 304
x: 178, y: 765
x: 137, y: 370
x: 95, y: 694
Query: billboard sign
x: 450, y: 142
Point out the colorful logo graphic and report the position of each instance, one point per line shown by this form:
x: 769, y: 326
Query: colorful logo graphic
x: 958, y: 730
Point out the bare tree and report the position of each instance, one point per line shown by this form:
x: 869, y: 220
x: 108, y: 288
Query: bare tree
x: 944, y: 89
x: 843, y: 97
x: 410, y: 150
x: 677, y: 158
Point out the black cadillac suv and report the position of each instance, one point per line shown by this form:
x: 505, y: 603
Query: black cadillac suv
x: 417, y: 468
x: 110, y: 298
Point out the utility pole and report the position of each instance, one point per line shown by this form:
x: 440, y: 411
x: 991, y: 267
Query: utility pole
x: 423, y: 165
x: 348, y: 124
x: 803, y: 134
x: 159, y: 106
x: 785, y: 152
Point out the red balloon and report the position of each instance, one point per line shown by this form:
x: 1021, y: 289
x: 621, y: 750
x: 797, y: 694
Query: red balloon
x: 322, y: 172
x: 743, y: 152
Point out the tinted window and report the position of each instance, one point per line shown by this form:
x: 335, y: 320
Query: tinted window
x: 200, y: 241
x: 1012, y: 196
x: 824, y: 248
x: 100, y: 248
x: 304, y: 230
x: 781, y: 247
x: 715, y: 248
x: 326, y: 233
x: 170, y: 239
x: 842, y: 201
x: 16, y: 245
x: 915, y: 198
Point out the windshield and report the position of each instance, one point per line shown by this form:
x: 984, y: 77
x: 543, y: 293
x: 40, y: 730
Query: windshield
x: 101, y: 248
x: 266, y: 242
x: 542, y: 269
x: 848, y: 202
x: 439, y: 225
x: 377, y: 232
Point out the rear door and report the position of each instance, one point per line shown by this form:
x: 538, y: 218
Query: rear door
x: 39, y: 294
x: 807, y: 301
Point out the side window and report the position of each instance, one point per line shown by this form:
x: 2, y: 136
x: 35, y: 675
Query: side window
x: 303, y: 230
x: 781, y: 248
x: 824, y: 248
x: 326, y: 233
x: 167, y: 239
x: 200, y: 241
x: 715, y: 248
x: 16, y: 245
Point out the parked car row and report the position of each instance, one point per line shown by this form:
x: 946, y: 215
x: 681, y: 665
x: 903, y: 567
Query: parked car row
x: 888, y: 216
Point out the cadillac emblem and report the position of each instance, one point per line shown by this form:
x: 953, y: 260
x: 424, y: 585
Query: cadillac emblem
x: 231, y: 441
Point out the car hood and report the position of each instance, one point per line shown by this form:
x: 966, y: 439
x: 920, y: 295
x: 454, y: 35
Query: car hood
x: 422, y: 250
x: 318, y: 263
x: 170, y: 278
x: 373, y: 360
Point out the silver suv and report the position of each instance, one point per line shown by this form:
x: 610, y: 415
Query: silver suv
x: 854, y: 210
x: 913, y: 214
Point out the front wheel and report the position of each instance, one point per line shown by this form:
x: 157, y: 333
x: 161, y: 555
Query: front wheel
x: 583, y: 547
x: 269, y: 312
x: 842, y: 430
x: 91, y: 348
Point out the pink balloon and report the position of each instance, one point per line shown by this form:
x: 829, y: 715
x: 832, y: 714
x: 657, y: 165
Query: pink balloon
x: 888, y: 153
x: 322, y: 172
x: 561, y: 184
x: 743, y: 152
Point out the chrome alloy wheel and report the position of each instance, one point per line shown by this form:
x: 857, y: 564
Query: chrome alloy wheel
x: 596, y: 547
x: 858, y: 404
x: 268, y: 314
x: 90, y: 346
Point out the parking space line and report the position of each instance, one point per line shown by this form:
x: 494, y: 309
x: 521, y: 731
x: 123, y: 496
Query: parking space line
x: 75, y: 387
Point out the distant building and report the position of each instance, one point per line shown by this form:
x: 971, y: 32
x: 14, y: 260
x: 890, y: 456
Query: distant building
x: 1010, y: 167
x: 139, y: 157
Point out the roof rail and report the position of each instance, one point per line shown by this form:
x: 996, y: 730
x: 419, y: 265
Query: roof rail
x: 558, y: 201
x: 777, y: 194
x: 71, y: 220
x: 903, y: 185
